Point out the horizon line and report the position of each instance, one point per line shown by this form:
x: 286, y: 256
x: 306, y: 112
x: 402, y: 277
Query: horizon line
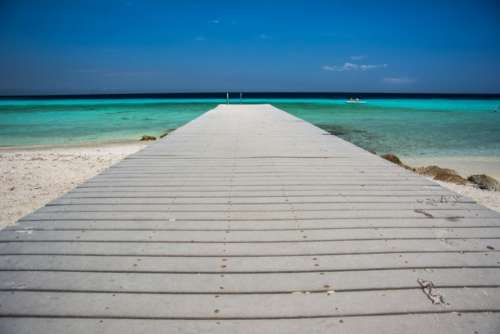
x: 253, y: 94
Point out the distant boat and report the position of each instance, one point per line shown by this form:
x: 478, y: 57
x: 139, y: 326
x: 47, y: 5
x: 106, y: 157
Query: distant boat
x: 356, y: 100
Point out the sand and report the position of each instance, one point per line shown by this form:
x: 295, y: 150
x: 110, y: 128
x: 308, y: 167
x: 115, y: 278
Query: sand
x: 465, y: 166
x: 490, y: 199
x: 32, y: 177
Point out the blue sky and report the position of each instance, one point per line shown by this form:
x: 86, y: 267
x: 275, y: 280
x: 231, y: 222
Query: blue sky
x: 72, y: 47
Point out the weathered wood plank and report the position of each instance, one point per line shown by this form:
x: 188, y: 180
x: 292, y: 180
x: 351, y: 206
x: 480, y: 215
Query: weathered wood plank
x: 267, y: 207
x: 189, y: 200
x: 195, y: 265
x: 457, y: 246
x: 266, y: 215
x: 148, y: 282
x: 254, y: 225
x: 244, y: 306
x: 229, y: 235
x: 453, y: 322
x: 151, y: 192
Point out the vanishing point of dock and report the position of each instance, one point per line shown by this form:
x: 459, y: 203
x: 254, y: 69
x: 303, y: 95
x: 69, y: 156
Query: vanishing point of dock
x: 250, y: 220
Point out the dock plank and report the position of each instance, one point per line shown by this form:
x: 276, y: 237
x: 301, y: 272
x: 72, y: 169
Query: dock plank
x: 452, y: 322
x: 250, y: 265
x: 150, y: 282
x: 243, y: 306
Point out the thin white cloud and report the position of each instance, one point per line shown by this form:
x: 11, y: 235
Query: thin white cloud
x: 215, y: 21
x: 359, y: 57
x: 341, y: 68
x: 328, y: 68
x: 371, y: 67
x: 398, y: 80
x: 264, y: 36
x: 200, y: 38
x: 352, y: 67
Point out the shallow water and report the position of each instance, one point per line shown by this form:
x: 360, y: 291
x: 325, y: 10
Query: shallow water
x: 409, y: 127
x: 56, y: 122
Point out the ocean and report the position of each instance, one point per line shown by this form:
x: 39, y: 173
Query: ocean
x: 404, y: 126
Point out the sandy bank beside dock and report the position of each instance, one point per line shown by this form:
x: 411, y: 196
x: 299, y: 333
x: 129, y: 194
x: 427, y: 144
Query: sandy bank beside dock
x: 31, y: 177
x: 465, y: 166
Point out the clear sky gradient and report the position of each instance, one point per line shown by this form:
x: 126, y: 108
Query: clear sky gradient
x: 133, y: 46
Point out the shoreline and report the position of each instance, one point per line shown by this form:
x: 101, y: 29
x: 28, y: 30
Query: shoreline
x: 97, y: 144
x: 30, y: 177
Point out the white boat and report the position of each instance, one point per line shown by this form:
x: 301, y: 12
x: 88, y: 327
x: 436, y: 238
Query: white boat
x: 356, y: 100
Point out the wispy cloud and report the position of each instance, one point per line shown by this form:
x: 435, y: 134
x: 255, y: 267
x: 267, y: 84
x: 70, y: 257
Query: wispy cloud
x: 398, y: 80
x: 215, y: 21
x: 371, y: 67
x: 352, y: 67
x: 359, y: 57
x: 200, y: 38
x: 264, y: 36
x: 340, y: 68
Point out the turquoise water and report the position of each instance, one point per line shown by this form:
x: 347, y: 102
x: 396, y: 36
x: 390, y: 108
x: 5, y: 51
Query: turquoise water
x: 432, y: 127
x: 61, y: 122
x: 409, y: 127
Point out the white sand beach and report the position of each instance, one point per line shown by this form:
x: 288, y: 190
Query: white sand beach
x: 31, y: 177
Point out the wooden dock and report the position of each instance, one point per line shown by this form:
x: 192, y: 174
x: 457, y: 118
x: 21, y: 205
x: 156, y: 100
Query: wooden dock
x: 249, y: 220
